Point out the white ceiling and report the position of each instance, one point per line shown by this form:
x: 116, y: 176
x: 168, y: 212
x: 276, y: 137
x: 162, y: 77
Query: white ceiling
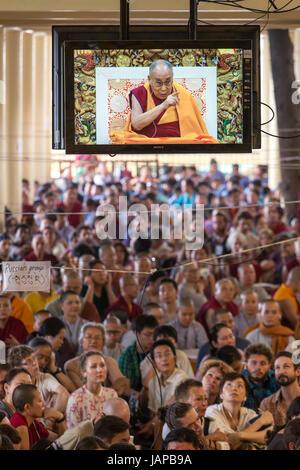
x: 36, y: 13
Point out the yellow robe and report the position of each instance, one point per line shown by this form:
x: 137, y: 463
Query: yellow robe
x: 191, y: 124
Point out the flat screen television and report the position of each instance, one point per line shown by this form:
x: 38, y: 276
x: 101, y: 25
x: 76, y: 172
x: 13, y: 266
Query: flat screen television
x: 115, y: 92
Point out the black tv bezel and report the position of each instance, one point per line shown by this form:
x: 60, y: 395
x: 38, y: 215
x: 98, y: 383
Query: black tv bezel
x: 68, y: 38
x: 72, y: 148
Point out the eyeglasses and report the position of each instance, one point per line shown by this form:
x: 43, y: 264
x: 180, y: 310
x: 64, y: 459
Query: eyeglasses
x: 159, y: 84
x: 113, y: 332
x: 97, y: 338
x: 161, y: 356
x: 29, y: 362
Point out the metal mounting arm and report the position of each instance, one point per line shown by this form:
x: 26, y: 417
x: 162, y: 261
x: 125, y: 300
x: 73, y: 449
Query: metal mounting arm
x: 192, y: 24
x: 124, y: 20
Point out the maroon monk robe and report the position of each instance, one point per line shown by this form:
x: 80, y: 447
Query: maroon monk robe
x: 170, y: 129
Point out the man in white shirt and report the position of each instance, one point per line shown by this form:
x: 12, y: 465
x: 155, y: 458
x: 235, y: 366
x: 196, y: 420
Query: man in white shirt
x: 163, y: 354
x: 182, y: 361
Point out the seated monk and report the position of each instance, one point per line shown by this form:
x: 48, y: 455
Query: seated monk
x: 162, y: 111
x: 270, y: 331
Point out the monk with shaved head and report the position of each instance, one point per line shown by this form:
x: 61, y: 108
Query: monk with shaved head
x: 162, y: 108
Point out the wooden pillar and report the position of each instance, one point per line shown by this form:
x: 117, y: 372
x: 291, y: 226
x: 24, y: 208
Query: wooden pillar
x: 270, y: 145
x: 41, y: 165
x: 11, y: 150
x: 27, y: 117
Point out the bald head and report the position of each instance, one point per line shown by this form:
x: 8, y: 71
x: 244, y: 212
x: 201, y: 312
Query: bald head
x: 294, y: 275
x: 129, y: 287
x: 70, y: 274
x: 117, y: 407
x: 223, y: 282
x: 160, y: 64
x: 189, y: 266
x: 246, y: 275
x: 112, y: 321
x: 293, y: 280
x: 224, y: 292
x: 71, y: 281
x: 191, y: 272
x: 107, y: 255
x: 126, y: 280
x: 143, y: 264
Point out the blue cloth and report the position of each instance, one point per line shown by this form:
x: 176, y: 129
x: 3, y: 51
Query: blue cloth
x: 261, y: 390
x: 185, y: 199
x: 129, y: 364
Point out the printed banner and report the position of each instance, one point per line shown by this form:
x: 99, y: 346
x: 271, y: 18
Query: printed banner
x: 26, y: 276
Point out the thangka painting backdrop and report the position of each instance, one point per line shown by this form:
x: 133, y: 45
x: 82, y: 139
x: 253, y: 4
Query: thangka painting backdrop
x: 216, y: 74
x: 113, y: 85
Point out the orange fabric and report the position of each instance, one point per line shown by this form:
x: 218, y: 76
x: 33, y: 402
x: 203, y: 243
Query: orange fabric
x: 284, y: 292
x: 251, y: 328
x: 280, y: 335
x: 22, y: 311
x: 191, y: 123
x: 297, y: 331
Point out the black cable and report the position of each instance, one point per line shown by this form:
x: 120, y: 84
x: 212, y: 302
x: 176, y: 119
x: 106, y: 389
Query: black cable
x: 267, y: 122
x: 255, y: 19
x: 234, y: 264
x: 279, y: 136
x: 268, y: 18
x: 255, y: 10
x: 273, y: 5
x: 288, y: 3
x: 176, y: 266
x: 149, y: 358
x: 206, y: 22
x: 264, y: 12
x: 218, y: 265
x: 244, y: 24
x: 273, y: 135
x: 228, y: 257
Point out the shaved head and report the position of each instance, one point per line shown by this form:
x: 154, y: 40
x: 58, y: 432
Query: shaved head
x: 294, y: 274
x: 161, y: 64
x: 117, y: 407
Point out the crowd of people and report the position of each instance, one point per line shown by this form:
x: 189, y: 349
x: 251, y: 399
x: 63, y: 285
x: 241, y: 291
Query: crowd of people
x: 142, y: 343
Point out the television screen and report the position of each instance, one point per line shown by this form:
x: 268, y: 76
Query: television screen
x: 159, y: 96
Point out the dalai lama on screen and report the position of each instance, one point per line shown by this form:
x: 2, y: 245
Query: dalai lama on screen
x: 162, y: 111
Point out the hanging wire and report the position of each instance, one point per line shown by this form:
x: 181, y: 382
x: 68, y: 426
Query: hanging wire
x: 175, y: 208
x: 153, y: 270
